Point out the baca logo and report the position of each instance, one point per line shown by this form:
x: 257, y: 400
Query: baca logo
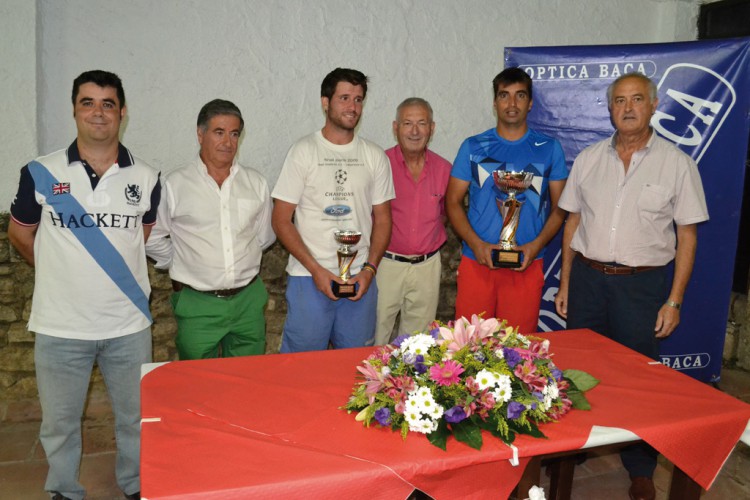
x: 694, y: 103
x: 337, y: 210
x: 687, y: 361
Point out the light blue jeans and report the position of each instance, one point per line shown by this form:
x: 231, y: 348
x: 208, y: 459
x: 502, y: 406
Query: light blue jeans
x: 313, y: 320
x: 63, y: 372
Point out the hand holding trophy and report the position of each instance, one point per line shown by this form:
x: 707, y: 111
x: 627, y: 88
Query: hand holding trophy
x: 512, y: 183
x: 346, y: 238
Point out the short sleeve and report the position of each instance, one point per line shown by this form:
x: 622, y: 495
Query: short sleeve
x: 462, y: 164
x: 25, y: 208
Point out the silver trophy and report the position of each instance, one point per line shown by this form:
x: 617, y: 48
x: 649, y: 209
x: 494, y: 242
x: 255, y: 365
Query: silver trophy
x: 512, y: 183
x: 346, y: 238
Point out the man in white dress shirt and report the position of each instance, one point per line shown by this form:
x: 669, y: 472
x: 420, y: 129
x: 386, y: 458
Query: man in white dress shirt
x: 212, y: 227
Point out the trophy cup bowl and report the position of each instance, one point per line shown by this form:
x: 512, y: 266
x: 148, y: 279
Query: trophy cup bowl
x: 346, y: 238
x: 512, y: 183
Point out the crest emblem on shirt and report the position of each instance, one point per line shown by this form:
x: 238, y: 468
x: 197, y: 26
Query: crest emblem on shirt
x: 61, y: 188
x: 340, y: 177
x: 133, y: 194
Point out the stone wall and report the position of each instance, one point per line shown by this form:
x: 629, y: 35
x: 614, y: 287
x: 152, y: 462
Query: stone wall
x: 17, y: 380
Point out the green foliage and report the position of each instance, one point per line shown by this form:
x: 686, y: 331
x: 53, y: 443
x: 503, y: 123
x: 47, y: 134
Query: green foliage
x: 468, y: 433
x: 581, y: 380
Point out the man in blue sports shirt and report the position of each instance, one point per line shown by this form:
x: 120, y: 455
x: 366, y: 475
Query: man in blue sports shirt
x: 512, y: 294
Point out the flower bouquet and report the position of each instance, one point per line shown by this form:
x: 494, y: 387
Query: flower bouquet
x: 465, y: 377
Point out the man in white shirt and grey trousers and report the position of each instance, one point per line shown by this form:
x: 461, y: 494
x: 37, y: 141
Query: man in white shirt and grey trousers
x: 212, y: 227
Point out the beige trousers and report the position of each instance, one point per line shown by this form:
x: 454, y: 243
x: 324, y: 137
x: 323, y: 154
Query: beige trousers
x: 410, y: 289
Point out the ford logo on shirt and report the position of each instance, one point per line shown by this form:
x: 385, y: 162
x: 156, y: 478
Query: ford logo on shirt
x: 337, y: 210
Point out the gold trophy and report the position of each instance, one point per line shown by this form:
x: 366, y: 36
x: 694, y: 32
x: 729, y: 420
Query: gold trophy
x: 346, y: 238
x: 512, y: 183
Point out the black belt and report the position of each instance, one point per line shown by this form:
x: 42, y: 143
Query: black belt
x: 410, y: 260
x: 613, y: 267
x: 222, y: 294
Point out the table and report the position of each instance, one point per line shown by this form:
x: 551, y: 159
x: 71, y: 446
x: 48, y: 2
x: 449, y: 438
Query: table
x: 270, y: 427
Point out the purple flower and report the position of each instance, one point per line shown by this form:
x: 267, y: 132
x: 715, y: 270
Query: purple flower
x: 419, y: 365
x: 399, y: 340
x: 454, y: 415
x: 434, y: 332
x: 479, y: 356
x: 515, y: 409
x: 558, y: 374
x: 538, y: 395
x: 383, y: 416
x: 511, y: 357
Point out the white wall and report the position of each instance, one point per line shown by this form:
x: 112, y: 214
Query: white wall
x: 269, y: 57
x: 18, y: 92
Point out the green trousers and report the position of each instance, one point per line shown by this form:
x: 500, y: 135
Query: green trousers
x: 212, y: 327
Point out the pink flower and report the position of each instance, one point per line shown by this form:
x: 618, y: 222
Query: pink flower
x: 465, y: 331
x: 487, y: 400
x: 526, y: 371
x: 446, y: 373
x: 484, y: 327
x: 397, y: 388
x: 374, y: 379
x: 536, y: 350
x: 382, y: 354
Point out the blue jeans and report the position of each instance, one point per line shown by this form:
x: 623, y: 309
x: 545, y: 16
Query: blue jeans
x: 313, y: 320
x: 63, y: 372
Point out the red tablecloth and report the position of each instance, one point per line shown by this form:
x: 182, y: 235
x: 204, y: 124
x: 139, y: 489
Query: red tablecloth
x: 270, y: 426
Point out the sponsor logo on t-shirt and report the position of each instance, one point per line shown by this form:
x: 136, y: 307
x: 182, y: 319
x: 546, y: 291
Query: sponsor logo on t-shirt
x: 337, y: 210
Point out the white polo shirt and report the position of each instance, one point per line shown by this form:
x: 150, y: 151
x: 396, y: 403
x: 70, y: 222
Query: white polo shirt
x: 91, y: 275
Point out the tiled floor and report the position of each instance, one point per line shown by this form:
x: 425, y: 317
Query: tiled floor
x: 23, y: 467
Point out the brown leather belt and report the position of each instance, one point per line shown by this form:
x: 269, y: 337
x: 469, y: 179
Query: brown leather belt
x: 614, y: 268
x: 409, y: 260
x: 222, y: 294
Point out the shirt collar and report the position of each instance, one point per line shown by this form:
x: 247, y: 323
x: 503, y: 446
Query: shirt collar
x: 124, y: 158
x: 402, y: 161
x: 649, y: 143
x: 204, y: 169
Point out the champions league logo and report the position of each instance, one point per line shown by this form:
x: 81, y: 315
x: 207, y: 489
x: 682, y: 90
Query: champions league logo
x: 340, y: 177
x: 133, y: 194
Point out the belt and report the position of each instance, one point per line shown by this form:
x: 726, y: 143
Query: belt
x: 614, y: 268
x: 410, y: 260
x: 222, y: 294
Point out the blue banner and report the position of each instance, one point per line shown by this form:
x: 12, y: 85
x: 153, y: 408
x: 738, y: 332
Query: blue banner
x: 704, y: 99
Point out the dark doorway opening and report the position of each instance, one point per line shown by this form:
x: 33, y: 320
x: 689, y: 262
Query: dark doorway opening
x: 727, y: 19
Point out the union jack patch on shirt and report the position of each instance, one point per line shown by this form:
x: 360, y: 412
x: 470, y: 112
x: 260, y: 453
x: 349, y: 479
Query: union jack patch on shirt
x: 61, y: 188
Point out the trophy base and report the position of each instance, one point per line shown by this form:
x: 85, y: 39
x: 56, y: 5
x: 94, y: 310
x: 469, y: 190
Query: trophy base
x: 507, y: 258
x: 343, y: 290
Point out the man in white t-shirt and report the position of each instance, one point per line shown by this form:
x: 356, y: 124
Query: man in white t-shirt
x: 333, y: 180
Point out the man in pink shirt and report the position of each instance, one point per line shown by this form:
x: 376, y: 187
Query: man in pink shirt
x: 409, y: 274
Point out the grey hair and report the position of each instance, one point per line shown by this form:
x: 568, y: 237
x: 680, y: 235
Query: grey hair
x: 215, y: 108
x: 637, y: 75
x: 414, y: 101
